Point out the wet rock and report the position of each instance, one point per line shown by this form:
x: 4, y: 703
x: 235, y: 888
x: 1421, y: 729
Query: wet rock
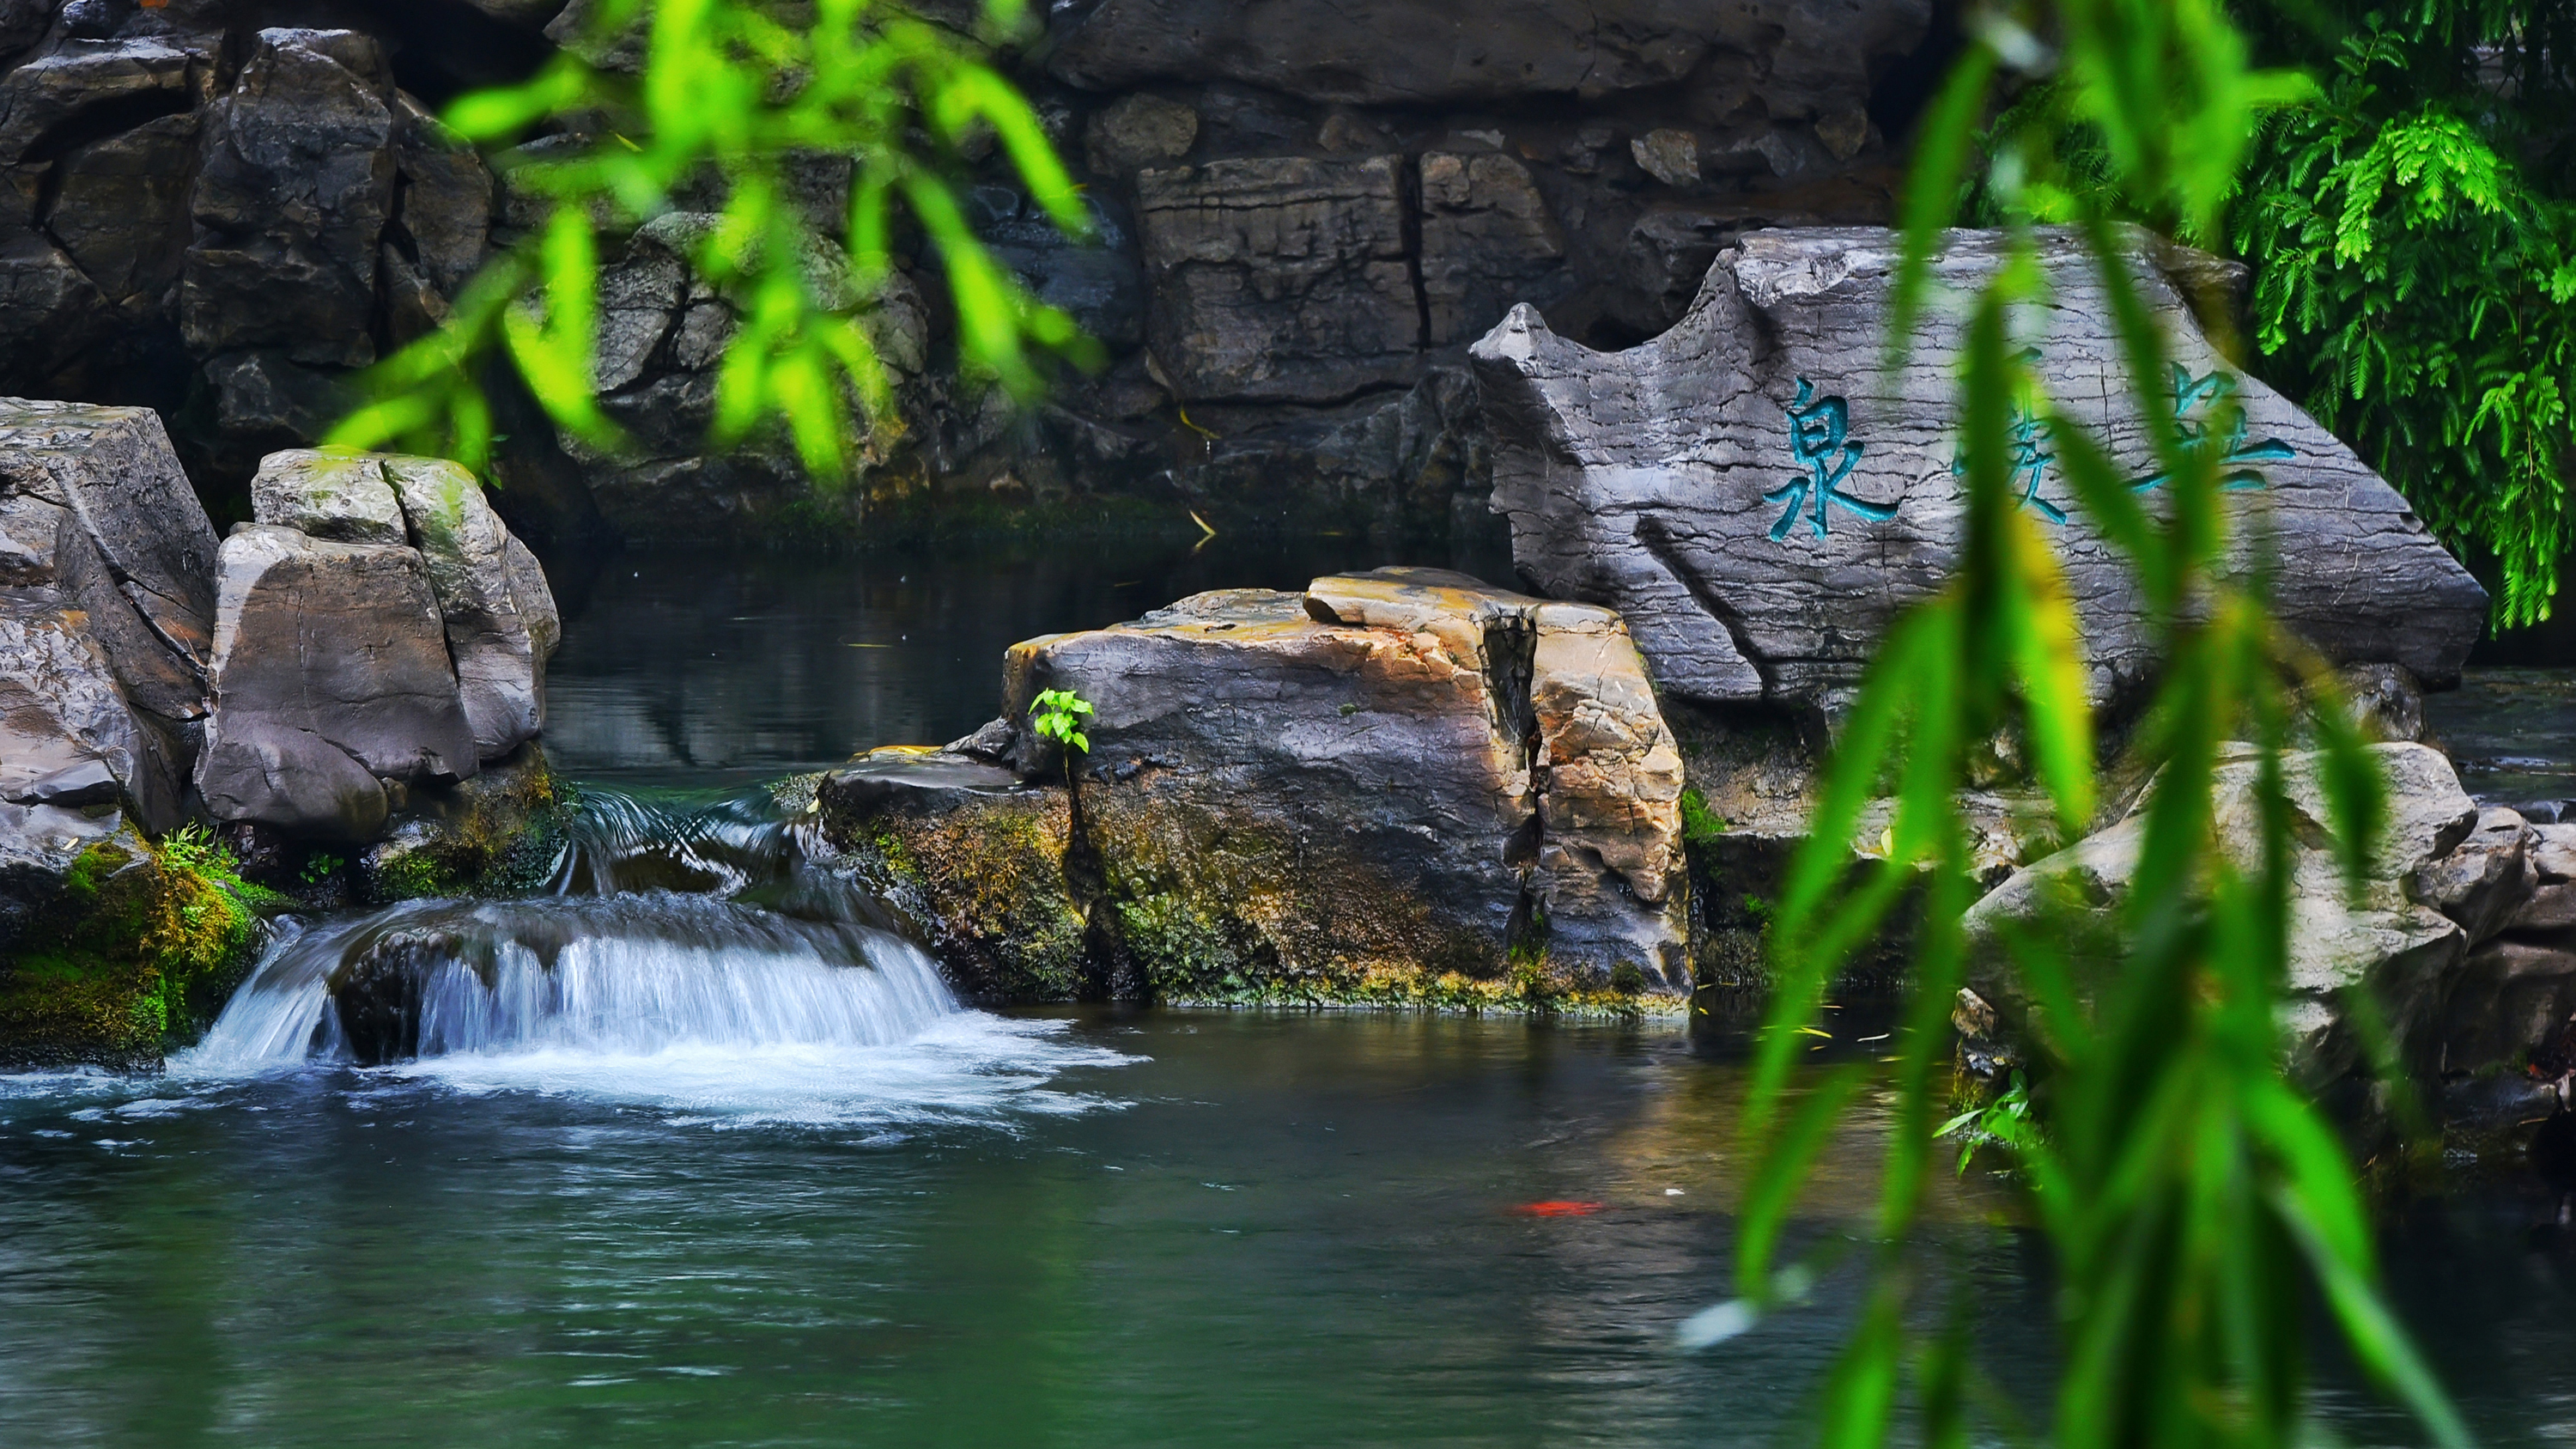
x: 1414, y: 53
x: 1137, y: 131
x: 38, y: 846
x: 1757, y: 560
x: 1487, y: 242
x: 976, y: 860
x: 2401, y: 949
x: 500, y: 831
x: 1281, y: 279
x: 330, y: 671
x: 292, y: 199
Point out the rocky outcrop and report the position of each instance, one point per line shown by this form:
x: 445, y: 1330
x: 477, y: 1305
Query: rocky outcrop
x: 1399, y: 786
x: 1761, y: 498
x: 2455, y: 936
x: 1302, y: 211
x: 377, y: 629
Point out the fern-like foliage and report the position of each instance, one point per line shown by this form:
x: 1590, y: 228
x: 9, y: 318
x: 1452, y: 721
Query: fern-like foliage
x: 2415, y: 281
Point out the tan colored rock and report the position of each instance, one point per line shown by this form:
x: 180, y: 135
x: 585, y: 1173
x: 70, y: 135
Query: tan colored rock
x: 1671, y: 157
x: 1341, y: 795
x: 1138, y: 130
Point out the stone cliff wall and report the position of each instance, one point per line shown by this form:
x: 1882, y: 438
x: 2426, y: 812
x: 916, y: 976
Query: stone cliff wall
x: 220, y: 208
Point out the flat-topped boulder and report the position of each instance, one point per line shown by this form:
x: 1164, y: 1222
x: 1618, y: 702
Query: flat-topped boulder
x: 1402, y: 786
x: 1759, y: 496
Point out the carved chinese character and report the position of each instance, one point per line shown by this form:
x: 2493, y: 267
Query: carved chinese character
x: 2190, y: 392
x: 1820, y: 438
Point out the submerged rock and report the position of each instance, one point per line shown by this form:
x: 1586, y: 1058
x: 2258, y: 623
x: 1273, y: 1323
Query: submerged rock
x: 1760, y: 497
x: 1402, y: 786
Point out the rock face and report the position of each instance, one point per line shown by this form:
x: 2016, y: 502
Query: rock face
x: 1760, y: 499
x: 1401, y: 785
x: 1302, y: 209
x: 2456, y: 934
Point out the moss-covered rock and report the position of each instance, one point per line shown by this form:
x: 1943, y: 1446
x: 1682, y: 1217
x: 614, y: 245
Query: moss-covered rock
x: 137, y: 953
x: 495, y: 834
x: 976, y: 859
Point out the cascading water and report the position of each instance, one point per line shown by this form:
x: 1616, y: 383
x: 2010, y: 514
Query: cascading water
x: 697, y: 958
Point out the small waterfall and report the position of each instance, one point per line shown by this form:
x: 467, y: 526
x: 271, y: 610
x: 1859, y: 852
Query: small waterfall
x: 709, y: 930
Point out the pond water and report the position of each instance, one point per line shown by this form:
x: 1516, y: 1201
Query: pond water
x: 685, y: 1170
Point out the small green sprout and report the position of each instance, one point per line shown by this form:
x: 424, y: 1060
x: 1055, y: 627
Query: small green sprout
x: 1059, y: 713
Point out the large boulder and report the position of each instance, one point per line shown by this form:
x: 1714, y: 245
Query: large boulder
x: 106, y: 584
x: 492, y: 598
x: 1760, y: 496
x: 331, y: 676
x: 1401, y: 786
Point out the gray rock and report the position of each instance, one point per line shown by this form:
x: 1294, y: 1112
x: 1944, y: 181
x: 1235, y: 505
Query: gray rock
x: 1758, y: 562
x: 330, y: 672
x: 447, y: 196
x: 38, y: 844
x: 499, y: 616
x: 291, y: 203
x: 2552, y: 906
x: 44, y: 99
x: 67, y: 737
x: 1416, y: 53
x: 121, y: 211
x: 2400, y: 948
x: 132, y: 544
x: 48, y: 308
x: 341, y: 497
x: 1137, y: 131
x: 268, y: 396
x: 1279, y: 279
x: 2485, y: 880
x: 2509, y: 998
x: 1391, y: 463
x: 1487, y: 242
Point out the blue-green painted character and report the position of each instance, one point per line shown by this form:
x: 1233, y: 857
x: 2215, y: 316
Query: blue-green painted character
x: 2190, y: 392
x: 2030, y: 454
x: 1820, y: 438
